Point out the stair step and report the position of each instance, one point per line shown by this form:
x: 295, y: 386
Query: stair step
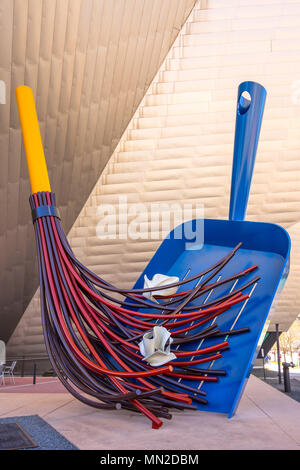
x: 216, y: 14
x: 236, y: 72
x: 228, y: 37
x: 238, y: 47
x: 126, y: 178
x: 206, y: 4
x: 243, y: 11
x: 184, y: 86
x: 160, y: 87
x: 211, y: 27
x: 145, y: 133
x: 182, y: 130
x: 131, y: 145
x: 146, y: 122
x: 191, y: 119
x: 177, y: 98
x: 216, y: 4
x: 229, y: 61
x: 169, y: 121
x: 278, y: 82
x: 134, y: 156
x: 175, y: 110
x: 176, y: 152
x: 235, y: 24
x: 177, y: 141
x: 170, y: 164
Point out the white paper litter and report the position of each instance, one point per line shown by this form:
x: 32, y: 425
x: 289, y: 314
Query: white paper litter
x: 157, y: 281
x: 153, y: 346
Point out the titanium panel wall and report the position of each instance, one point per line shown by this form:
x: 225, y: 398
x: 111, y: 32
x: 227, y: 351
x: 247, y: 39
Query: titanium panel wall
x: 178, y: 146
x: 89, y: 63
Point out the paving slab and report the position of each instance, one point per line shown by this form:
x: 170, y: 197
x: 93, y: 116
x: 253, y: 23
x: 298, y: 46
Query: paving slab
x: 266, y: 419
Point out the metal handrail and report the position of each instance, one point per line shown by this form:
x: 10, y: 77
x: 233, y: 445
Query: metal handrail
x: 24, y: 359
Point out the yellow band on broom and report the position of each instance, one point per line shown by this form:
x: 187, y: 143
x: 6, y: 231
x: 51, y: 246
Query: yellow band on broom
x: 36, y: 162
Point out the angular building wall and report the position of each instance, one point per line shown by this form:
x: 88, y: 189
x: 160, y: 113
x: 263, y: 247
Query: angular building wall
x: 288, y: 306
x: 89, y: 63
x: 178, y: 146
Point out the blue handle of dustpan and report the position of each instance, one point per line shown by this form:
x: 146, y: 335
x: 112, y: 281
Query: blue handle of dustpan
x: 250, y: 108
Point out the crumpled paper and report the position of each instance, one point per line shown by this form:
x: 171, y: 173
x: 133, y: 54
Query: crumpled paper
x: 155, y: 346
x: 157, y: 281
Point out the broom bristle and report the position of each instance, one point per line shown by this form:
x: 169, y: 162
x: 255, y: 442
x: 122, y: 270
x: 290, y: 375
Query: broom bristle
x: 92, y: 336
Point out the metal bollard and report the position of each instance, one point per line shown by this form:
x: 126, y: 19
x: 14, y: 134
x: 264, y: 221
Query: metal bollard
x: 286, y: 376
x: 23, y: 367
x: 278, y: 352
x: 263, y: 359
x: 34, y: 374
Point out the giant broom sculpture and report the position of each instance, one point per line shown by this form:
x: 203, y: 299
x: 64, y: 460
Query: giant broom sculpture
x: 92, y: 338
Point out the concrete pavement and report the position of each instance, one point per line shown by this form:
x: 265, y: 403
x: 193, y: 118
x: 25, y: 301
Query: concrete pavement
x: 266, y: 419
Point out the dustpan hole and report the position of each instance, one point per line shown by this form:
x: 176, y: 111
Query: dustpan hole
x: 244, y: 102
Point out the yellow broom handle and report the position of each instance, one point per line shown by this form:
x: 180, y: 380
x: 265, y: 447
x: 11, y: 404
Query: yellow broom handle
x: 35, y: 156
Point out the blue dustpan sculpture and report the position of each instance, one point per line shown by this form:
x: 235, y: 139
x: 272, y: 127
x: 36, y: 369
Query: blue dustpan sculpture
x: 264, y: 244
